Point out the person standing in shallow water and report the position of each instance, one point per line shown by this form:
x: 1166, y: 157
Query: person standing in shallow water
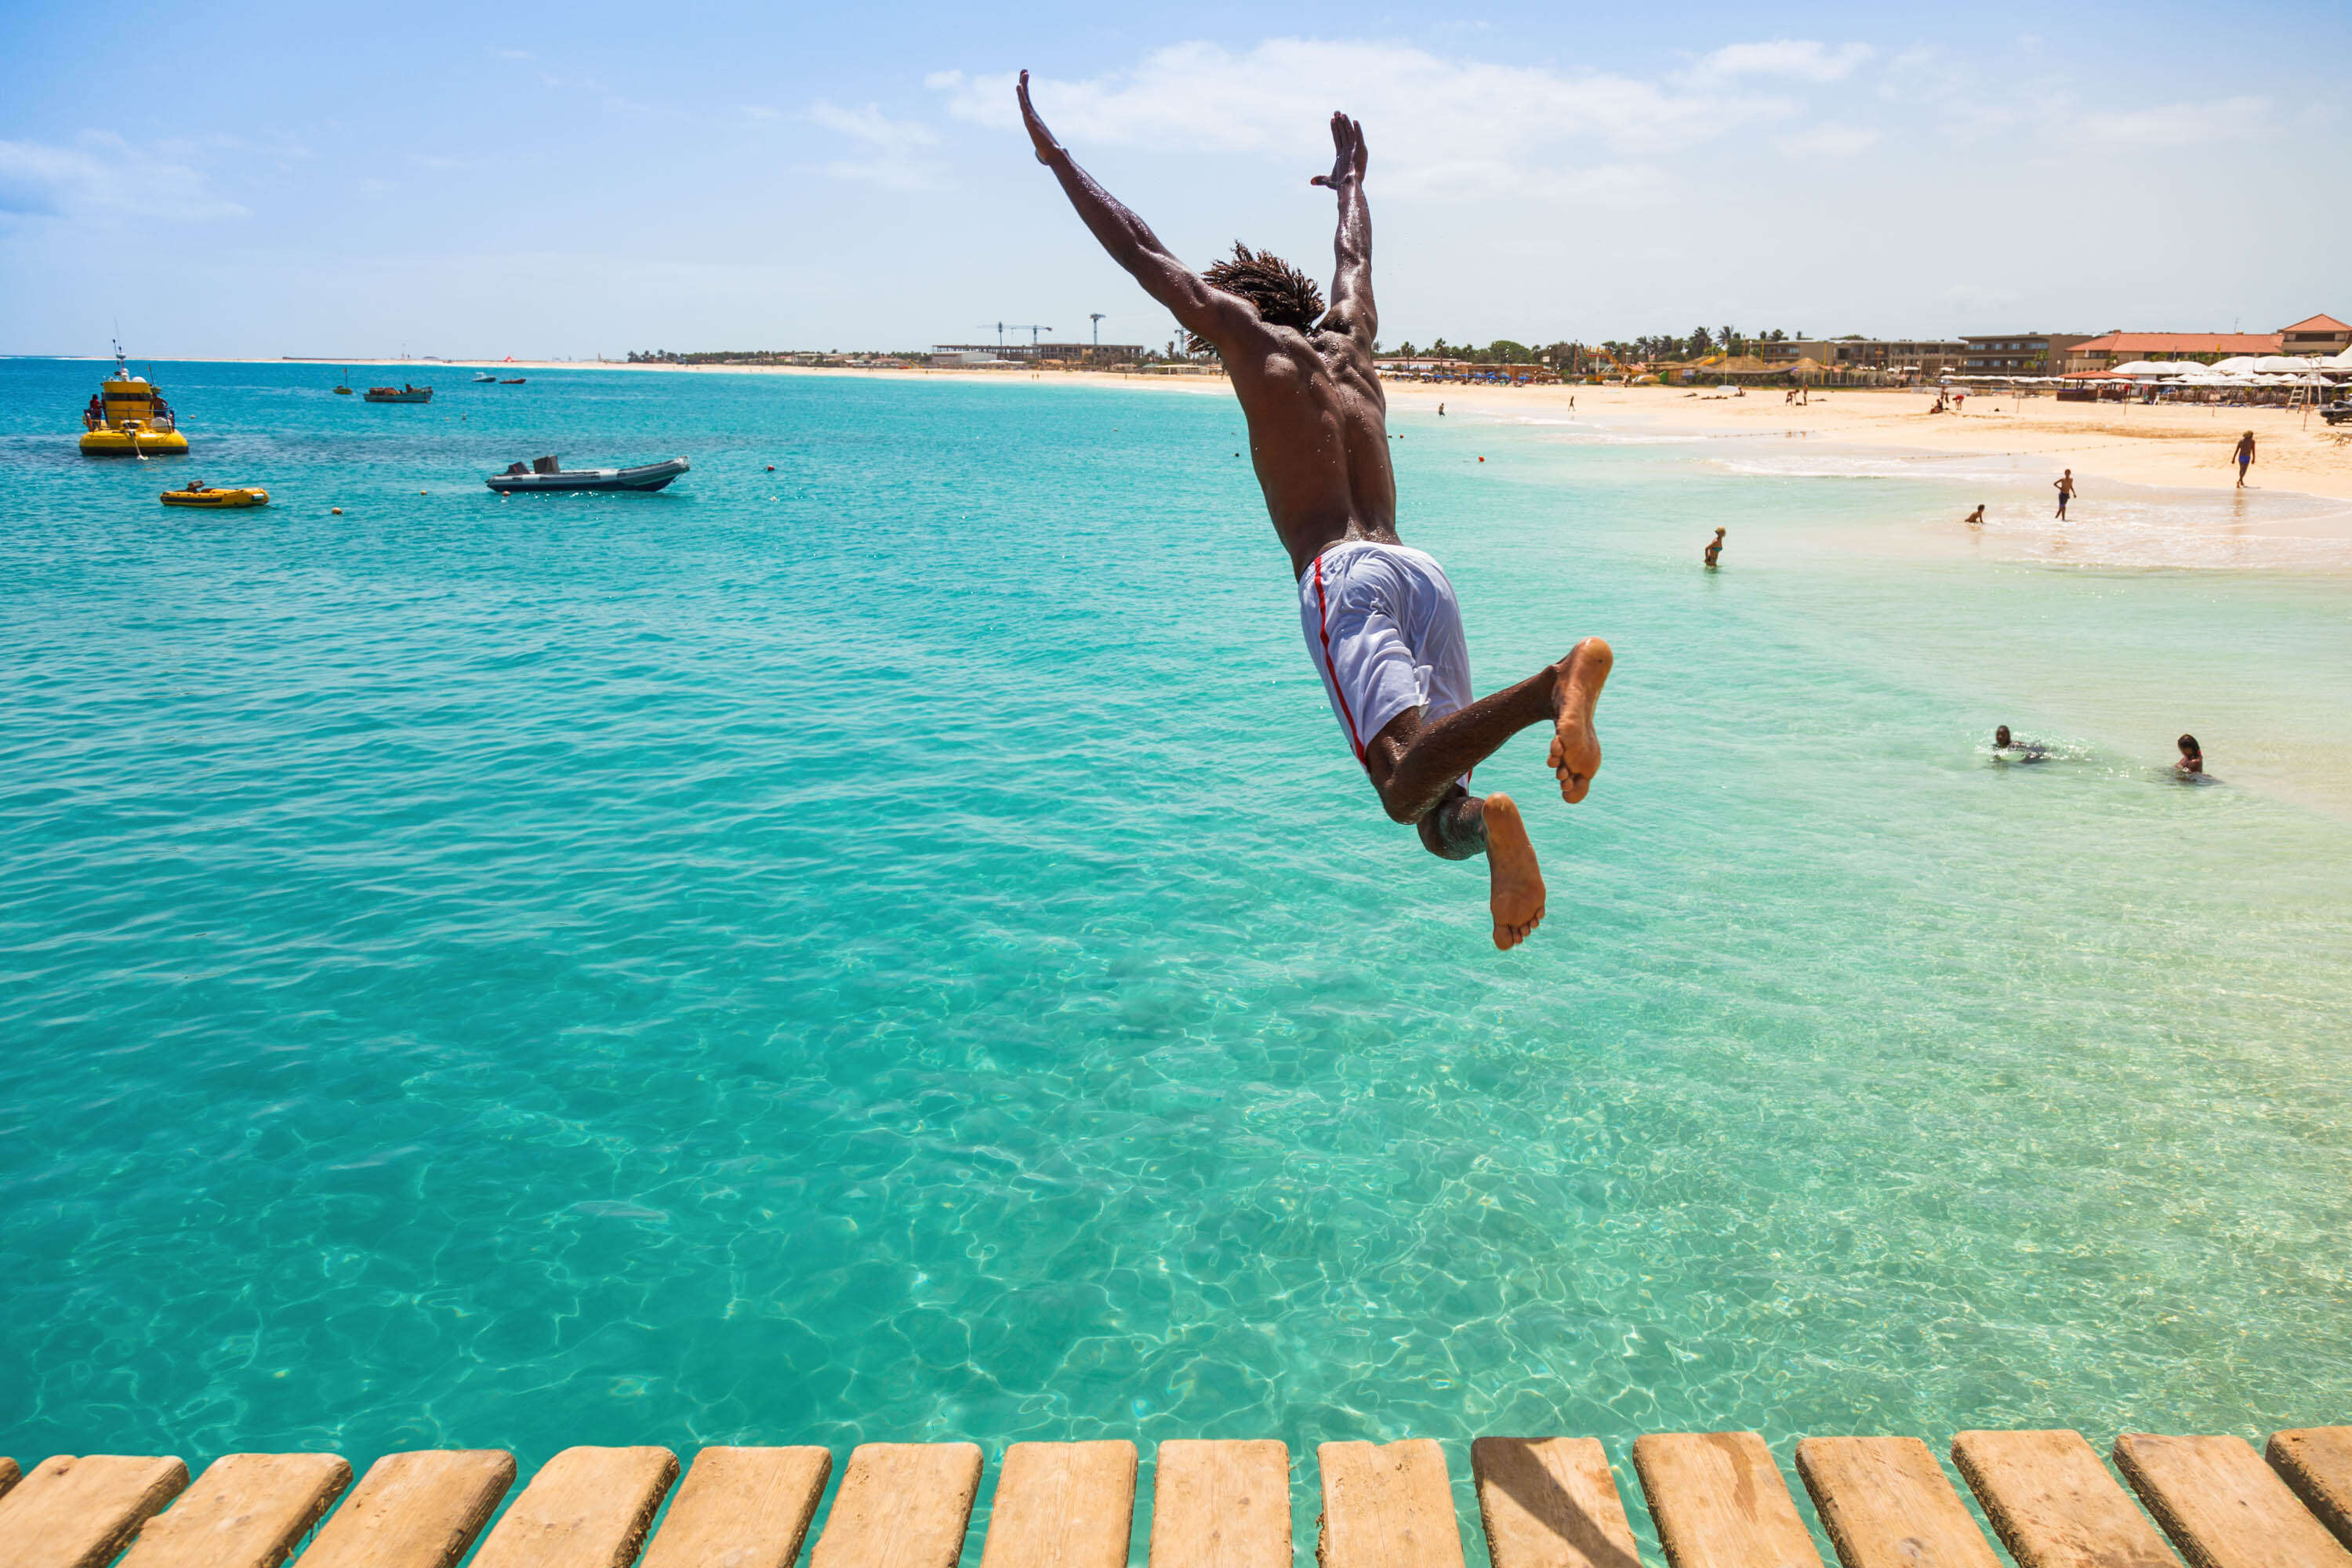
x: 2192, y: 756
x: 1713, y: 549
x: 1382, y: 624
x: 2064, y: 485
x: 2243, y: 456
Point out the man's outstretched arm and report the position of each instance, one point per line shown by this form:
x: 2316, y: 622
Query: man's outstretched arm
x: 1219, y: 317
x: 1351, y: 286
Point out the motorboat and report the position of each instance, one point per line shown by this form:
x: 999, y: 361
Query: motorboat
x: 195, y: 492
x: 549, y: 474
x: 127, y: 417
x: 485, y: 378
x: 401, y: 393
x: 516, y: 381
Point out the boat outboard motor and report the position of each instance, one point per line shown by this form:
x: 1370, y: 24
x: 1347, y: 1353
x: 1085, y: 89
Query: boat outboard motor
x: 545, y: 465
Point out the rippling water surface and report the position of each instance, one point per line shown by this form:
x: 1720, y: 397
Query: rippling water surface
x: 896, y: 947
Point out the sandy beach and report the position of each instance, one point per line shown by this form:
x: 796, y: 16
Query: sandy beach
x: 2187, y: 448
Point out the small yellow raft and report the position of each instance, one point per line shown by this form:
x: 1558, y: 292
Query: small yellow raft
x: 199, y: 493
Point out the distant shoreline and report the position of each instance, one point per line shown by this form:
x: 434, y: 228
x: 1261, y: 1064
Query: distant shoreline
x: 2182, y: 448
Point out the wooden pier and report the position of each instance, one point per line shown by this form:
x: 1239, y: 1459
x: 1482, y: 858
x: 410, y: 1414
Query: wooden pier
x: 1717, y: 1499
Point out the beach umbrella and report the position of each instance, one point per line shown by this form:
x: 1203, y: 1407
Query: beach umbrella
x: 2282, y: 364
x: 2239, y: 365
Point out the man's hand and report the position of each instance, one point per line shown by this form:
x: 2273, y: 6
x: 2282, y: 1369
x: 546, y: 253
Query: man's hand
x: 1347, y: 155
x: 1039, y: 137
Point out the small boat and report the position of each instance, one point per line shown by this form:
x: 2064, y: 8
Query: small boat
x: 127, y: 417
x: 195, y: 492
x: 402, y: 394
x: 345, y: 389
x: 517, y: 381
x: 547, y: 474
x: 483, y: 377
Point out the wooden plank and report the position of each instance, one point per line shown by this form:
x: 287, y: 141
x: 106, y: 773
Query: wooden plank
x: 1550, y: 1502
x: 2053, y: 1505
x: 1718, y: 1501
x: 2315, y: 1462
x: 742, y: 1508
x: 1062, y: 1505
x: 1387, y: 1506
x: 1886, y: 1504
x: 77, y: 1512
x: 587, y: 1508
x: 902, y: 1505
x: 1221, y: 1504
x: 419, y: 1510
x: 247, y: 1510
x: 2222, y: 1505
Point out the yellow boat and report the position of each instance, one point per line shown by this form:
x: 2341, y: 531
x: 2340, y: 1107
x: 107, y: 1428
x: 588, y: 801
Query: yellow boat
x: 199, y: 493
x: 128, y: 418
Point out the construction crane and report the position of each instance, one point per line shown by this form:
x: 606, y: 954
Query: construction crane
x: 1029, y: 327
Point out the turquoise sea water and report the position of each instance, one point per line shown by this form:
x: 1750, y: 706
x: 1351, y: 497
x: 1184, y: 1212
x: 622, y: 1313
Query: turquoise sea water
x: 897, y: 947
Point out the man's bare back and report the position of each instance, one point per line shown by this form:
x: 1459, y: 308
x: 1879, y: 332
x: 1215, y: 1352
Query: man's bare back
x: 1381, y: 621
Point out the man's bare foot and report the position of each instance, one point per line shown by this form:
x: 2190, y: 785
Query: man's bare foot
x: 1575, y: 755
x: 1515, y: 887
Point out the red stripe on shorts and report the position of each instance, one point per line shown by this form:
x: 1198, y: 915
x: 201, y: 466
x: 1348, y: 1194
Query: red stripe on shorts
x: 1330, y: 672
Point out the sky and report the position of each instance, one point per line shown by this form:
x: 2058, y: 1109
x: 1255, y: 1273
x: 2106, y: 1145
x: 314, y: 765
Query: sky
x: 466, y: 181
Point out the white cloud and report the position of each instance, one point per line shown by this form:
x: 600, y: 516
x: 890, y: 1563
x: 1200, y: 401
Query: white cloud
x: 1829, y: 142
x: 102, y: 176
x: 1800, y: 59
x: 1437, y: 127
x: 894, y: 156
x: 2183, y: 124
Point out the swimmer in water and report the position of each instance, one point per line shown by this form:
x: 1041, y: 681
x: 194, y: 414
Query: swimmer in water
x: 1713, y: 549
x: 1975, y: 518
x: 2027, y: 751
x: 2192, y: 758
x: 1382, y: 624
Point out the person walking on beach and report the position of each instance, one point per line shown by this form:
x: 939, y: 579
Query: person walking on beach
x: 1713, y: 549
x: 1382, y: 624
x: 2064, y: 484
x: 2243, y: 456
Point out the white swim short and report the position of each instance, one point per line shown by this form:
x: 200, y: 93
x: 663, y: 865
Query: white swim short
x: 1385, y: 634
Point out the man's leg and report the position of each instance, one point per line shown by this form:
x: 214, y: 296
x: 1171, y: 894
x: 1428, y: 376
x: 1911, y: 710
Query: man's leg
x: 1413, y: 764
x: 1417, y: 768
x: 1462, y: 824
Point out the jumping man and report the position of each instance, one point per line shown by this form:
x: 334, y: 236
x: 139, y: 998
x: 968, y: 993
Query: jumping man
x: 1382, y: 624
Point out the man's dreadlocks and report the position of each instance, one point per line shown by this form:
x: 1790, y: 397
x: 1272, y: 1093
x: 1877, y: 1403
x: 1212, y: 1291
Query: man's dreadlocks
x: 1284, y: 296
